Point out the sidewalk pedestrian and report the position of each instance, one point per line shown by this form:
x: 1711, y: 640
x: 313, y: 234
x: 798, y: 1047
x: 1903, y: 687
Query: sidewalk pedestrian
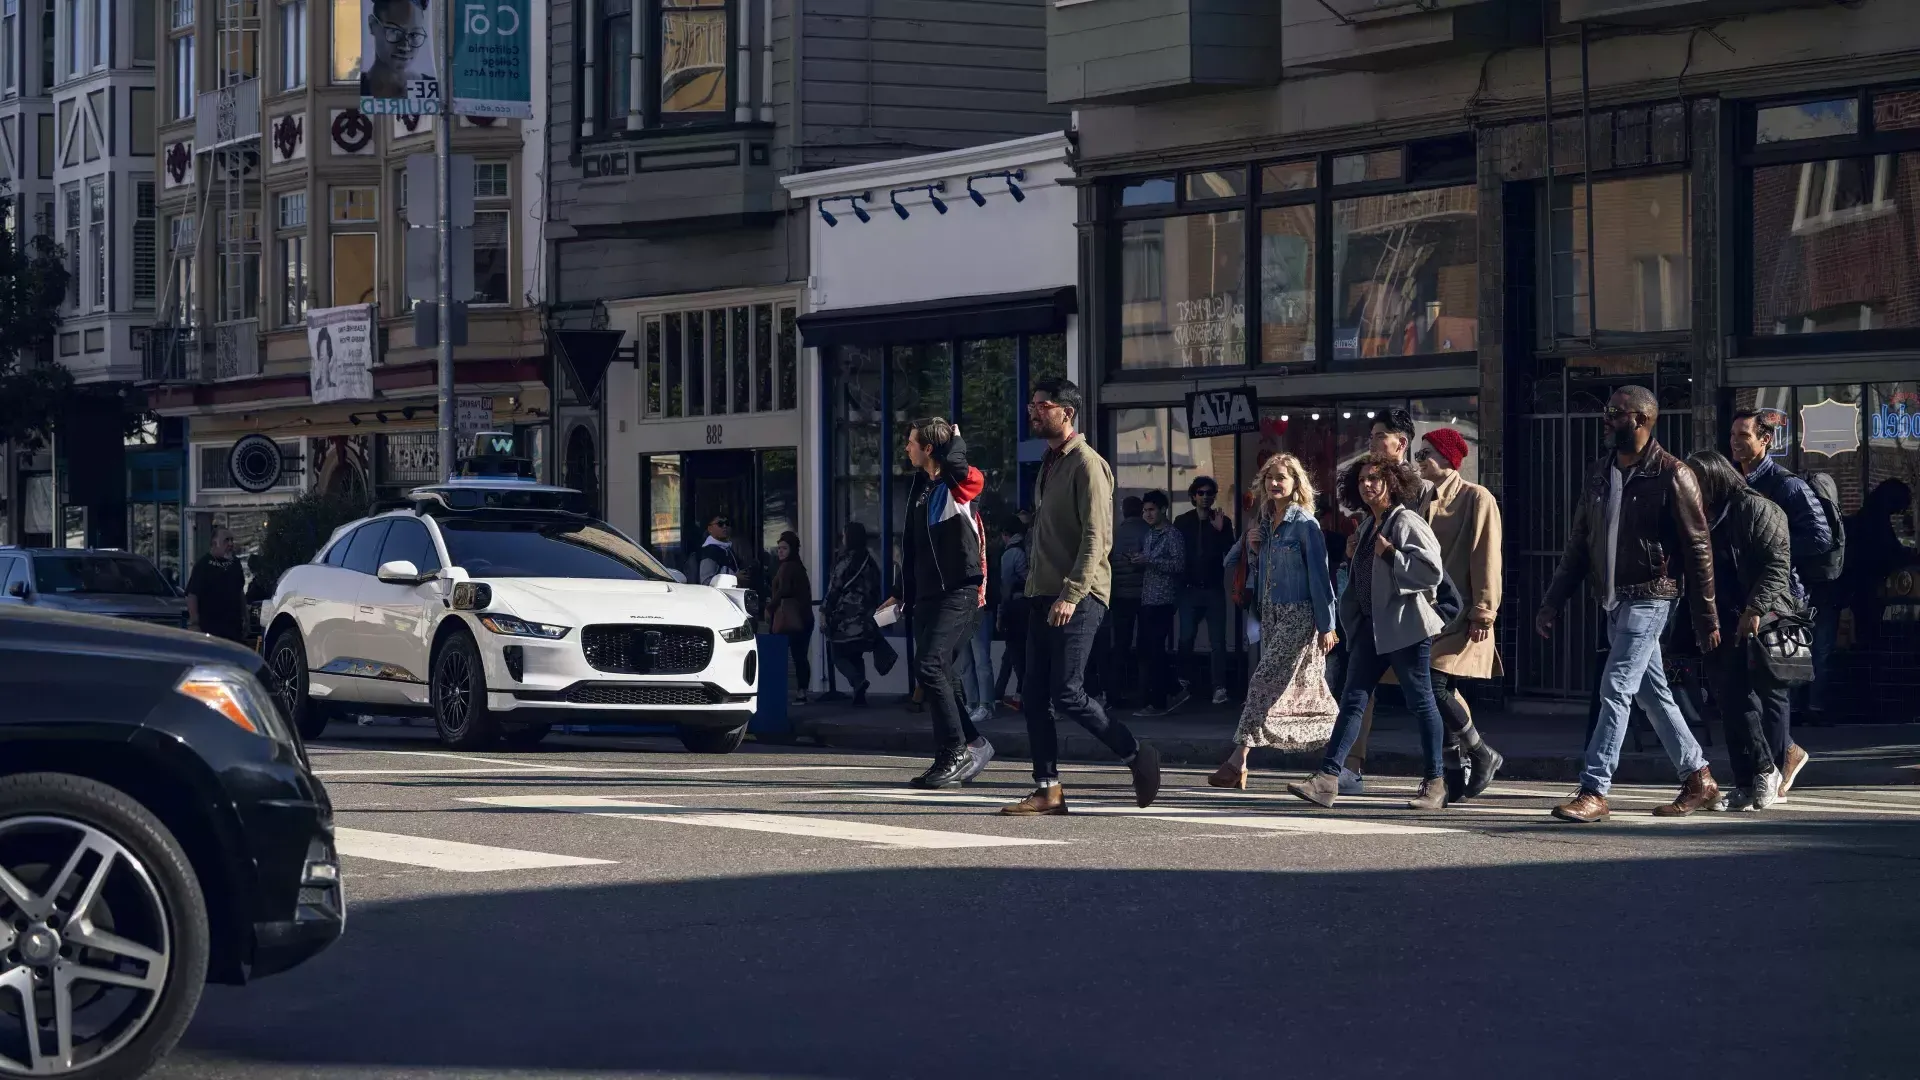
x: 716, y: 555
x: 945, y: 581
x: 1816, y: 553
x: 1288, y: 705
x: 1067, y: 593
x: 1161, y: 561
x: 790, y: 598
x: 1388, y: 619
x: 853, y: 591
x: 1205, y: 534
x: 1013, y: 609
x: 1123, y: 618
x: 1638, y: 526
x: 1753, y: 579
x: 216, y: 590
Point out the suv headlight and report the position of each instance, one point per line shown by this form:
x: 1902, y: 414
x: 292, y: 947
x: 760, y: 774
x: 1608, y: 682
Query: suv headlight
x: 514, y: 627
x: 238, y: 696
x: 743, y: 632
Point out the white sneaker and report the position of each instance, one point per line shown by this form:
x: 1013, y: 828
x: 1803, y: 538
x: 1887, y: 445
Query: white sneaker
x: 981, y: 752
x: 1766, y: 789
x: 980, y: 714
x: 1219, y: 695
x: 1352, y: 783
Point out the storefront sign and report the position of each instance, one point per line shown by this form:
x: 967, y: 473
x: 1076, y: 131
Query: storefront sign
x: 397, y: 47
x: 340, y: 340
x: 472, y: 415
x: 411, y: 457
x: 1895, y: 422
x: 1210, y: 330
x: 1831, y: 427
x: 492, y: 58
x: 1222, y: 412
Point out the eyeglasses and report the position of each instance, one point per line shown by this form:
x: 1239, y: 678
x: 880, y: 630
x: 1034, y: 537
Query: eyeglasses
x: 396, y: 35
x: 1615, y: 412
x: 1043, y: 406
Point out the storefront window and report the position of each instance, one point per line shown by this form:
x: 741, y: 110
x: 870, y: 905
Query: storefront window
x: 991, y: 424
x: 1286, y: 285
x: 1405, y: 274
x: 1152, y: 452
x: 1641, y: 264
x: 1893, y: 455
x: 1182, y: 284
x: 858, y: 425
x: 663, y: 503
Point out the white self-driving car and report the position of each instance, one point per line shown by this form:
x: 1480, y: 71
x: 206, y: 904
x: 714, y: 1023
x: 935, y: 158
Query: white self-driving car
x: 494, y: 607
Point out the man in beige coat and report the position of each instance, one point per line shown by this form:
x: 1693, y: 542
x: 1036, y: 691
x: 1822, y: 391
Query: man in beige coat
x: 1466, y: 519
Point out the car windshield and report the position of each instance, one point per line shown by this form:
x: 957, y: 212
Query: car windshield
x: 575, y: 548
x: 120, y: 575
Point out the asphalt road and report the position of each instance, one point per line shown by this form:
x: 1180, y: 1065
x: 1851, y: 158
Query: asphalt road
x: 621, y: 908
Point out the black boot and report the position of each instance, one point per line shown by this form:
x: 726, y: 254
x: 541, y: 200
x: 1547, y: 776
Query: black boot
x: 1485, y: 762
x: 860, y: 697
x: 948, y: 768
x: 1456, y: 780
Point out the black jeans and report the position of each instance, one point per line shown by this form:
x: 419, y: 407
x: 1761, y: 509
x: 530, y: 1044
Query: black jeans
x: 1741, y: 710
x: 942, y: 626
x: 798, y: 641
x: 1453, y: 716
x: 1156, y: 630
x: 850, y: 660
x: 1056, y: 670
x: 1124, y: 682
x: 1776, y: 714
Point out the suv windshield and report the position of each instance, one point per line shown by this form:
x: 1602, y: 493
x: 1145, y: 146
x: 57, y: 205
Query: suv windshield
x: 573, y: 548
x: 122, y: 575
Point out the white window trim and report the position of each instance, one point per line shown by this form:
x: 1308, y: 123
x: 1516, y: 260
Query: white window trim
x: 1826, y: 217
x: 638, y: 313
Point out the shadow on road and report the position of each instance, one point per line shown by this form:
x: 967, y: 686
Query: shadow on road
x: 1754, y: 963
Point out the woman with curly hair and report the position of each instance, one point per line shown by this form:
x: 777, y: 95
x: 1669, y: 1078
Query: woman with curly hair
x: 1388, y: 619
x: 1288, y: 703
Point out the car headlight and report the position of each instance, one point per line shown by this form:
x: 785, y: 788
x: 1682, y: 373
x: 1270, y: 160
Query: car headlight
x: 513, y: 627
x: 238, y: 696
x: 743, y: 632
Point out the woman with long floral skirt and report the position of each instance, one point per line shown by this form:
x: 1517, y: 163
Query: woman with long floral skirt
x: 1288, y: 704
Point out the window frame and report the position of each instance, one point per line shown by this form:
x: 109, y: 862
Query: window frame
x: 1252, y: 203
x: 1566, y: 342
x: 184, y: 85
x: 291, y: 37
x: 1750, y: 156
x: 646, y: 17
x: 291, y: 310
x: 12, y: 49
x: 495, y: 204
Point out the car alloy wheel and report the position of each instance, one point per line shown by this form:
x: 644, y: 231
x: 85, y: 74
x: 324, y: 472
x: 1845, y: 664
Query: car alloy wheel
x: 459, y: 695
x: 87, y: 946
x: 287, y: 668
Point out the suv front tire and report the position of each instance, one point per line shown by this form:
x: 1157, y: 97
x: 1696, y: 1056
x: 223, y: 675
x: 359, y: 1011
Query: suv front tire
x: 458, y: 692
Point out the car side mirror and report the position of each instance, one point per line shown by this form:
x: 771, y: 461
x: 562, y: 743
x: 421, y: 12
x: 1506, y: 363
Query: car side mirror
x: 399, y: 572
x: 725, y: 581
x: 18, y: 589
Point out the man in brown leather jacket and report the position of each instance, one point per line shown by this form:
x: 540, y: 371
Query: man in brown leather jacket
x: 1639, y: 530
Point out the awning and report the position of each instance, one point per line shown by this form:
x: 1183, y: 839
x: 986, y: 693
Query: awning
x: 1043, y: 311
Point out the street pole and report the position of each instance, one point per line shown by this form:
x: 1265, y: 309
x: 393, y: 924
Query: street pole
x: 442, y: 167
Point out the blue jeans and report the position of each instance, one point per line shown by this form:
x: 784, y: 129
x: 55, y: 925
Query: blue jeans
x: 1413, y: 667
x: 1633, y: 673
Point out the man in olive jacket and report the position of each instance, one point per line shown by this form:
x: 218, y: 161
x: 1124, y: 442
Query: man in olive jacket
x: 1068, y: 589
x: 1639, y: 529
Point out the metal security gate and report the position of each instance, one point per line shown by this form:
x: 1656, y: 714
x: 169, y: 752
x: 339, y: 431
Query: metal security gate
x: 1553, y: 446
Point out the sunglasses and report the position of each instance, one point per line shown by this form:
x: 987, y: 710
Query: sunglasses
x: 1615, y: 412
x: 1426, y: 455
x: 723, y: 523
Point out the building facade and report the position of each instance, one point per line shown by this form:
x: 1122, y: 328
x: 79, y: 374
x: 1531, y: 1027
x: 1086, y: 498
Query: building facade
x: 77, y: 163
x: 1493, y: 213
x: 278, y: 197
x: 673, y: 122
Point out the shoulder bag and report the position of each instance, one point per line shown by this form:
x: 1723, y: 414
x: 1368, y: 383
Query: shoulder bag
x: 1781, y: 653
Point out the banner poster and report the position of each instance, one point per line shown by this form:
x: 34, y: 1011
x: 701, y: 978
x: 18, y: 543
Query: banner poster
x: 340, y: 340
x: 397, y: 50
x: 493, y: 59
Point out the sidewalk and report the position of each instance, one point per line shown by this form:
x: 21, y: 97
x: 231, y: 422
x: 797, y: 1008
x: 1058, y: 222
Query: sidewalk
x: 1540, y: 743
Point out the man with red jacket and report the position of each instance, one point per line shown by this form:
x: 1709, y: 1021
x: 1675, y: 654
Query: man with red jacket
x: 945, y: 576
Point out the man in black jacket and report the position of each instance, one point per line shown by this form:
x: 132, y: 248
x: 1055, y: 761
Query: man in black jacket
x: 945, y: 573
x: 1208, y: 535
x: 1639, y: 529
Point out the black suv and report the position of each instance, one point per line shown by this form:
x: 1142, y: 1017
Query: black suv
x: 160, y: 828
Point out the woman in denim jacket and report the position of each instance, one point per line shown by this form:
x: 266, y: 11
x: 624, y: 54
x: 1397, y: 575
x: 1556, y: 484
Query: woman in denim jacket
x: 1288, y: 704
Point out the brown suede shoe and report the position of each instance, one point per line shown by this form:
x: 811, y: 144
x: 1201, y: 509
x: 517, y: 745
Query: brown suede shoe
x: 1145, y: 767
x: 1431, y: 796
x: 1319, y: 789
x: 1697, y: 793
x: 1586, y: 808
x: 1050, y: 800
x: 1796, y: 760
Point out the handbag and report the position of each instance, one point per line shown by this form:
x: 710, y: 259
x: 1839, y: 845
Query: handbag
x: 1781, y: 653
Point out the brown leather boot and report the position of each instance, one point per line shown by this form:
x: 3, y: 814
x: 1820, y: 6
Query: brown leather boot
x: 1050, y: 800
x: 1697, y: 793
x: 1586, y: 808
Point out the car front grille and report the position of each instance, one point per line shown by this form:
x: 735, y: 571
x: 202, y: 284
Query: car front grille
x: 648, y: 650
x: 628, y: 694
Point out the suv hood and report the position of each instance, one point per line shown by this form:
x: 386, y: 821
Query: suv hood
x: 93, y: 633
x: 130, y: 605
x: 582, y: 601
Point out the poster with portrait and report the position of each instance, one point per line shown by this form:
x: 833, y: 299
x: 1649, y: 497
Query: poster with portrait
x: 340, y: 340
x: 397, y: 51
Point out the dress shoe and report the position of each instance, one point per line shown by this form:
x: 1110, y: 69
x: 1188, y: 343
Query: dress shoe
x: 1697, y: 793
x: 1050, y: 799
x: 1319, y: 789
x: 1145, y: 767
x: 1586, y: 807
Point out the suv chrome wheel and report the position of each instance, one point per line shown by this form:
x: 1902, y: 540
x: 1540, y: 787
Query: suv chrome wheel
x: 85, y: 947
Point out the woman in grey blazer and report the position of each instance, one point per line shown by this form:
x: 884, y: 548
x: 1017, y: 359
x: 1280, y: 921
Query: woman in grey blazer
x: 1388, y: 619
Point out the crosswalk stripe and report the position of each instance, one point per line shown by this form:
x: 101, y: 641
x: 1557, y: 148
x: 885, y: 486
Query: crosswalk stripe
x: 447, y: 854
x: 1301, y: 823
x: 790, y: 824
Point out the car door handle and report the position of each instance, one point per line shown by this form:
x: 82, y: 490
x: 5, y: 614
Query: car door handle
x: 305, y: 601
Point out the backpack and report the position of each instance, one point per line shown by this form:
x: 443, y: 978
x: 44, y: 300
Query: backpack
x: 1827, y: 567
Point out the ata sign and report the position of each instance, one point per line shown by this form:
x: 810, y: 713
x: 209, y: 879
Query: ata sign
x: 1222, y: 412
